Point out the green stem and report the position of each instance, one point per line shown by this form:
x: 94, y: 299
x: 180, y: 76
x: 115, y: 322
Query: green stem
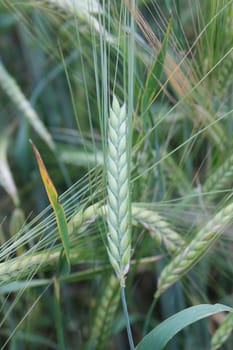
x: 148, y: 317
x: 126, y: 314
x: 58, y: 316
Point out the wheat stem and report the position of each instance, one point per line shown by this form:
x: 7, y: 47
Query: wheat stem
x: 126, y: 314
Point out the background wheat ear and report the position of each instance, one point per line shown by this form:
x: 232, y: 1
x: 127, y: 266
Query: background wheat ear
x: 223, y: 332
x: 118, y: 204
x: 195, y: 250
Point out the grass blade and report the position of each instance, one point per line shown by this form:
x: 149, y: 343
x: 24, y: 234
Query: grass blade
x: 160, y: 336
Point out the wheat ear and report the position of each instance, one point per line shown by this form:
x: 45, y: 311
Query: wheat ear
x: 118, y: 204
x: 195, y: 250
x: 158, y: 227
x: 85, y: 10
x: 78, y: 7
x: 12, y: 90
x: 220, y: 178
x: 105, y: 312
x: 223, y: 332
x: 225, y: 75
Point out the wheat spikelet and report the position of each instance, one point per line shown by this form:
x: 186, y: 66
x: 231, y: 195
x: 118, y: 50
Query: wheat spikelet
x: 118, y: 207
x: 195, y: 250
x: 105, y: 312
x: 223, y: 332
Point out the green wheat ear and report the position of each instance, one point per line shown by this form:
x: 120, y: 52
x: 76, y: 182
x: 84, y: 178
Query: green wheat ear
x: 118, y: 204
x: 195, y: 250
x: 105, y: 313
x: 223, y: 332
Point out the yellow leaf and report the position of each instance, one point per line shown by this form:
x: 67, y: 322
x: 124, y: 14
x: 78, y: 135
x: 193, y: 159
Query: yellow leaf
x: 54, y: 201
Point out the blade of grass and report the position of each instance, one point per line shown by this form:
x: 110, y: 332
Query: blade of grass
x: 165, y: 331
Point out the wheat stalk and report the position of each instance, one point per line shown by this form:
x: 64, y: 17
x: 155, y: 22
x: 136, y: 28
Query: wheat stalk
x: 223, y: 332
x: 118, y: 204
x: 195, y: 250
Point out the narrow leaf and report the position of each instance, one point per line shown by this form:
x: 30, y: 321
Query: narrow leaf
x: 22, y: 285
x: 54, y: 201
x: 165, y: 331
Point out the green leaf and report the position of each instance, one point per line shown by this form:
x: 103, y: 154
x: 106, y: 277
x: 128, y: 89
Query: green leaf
x: 22, y: 285
x: 165, y: 331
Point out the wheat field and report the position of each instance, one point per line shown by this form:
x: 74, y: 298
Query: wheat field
x: 122, y: 215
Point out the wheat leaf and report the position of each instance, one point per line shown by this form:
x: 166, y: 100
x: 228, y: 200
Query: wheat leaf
x: 165, y: 331
x: 55, y: 203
